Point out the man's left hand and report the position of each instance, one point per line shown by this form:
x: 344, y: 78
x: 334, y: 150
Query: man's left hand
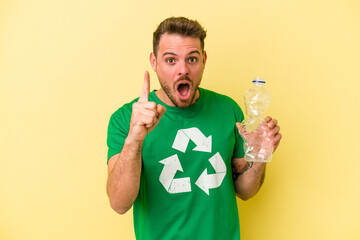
x: 274, y: 129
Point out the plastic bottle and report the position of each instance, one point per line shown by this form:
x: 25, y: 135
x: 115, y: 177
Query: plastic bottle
x: 257, y: 143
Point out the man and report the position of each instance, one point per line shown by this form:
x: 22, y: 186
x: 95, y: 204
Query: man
x: 175, y: 154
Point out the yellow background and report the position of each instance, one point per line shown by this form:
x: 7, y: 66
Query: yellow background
x: 65, y: 66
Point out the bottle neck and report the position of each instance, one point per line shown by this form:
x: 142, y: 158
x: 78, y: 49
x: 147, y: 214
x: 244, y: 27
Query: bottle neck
x: 256, y: 83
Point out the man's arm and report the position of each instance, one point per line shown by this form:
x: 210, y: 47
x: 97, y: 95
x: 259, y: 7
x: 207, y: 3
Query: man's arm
x: 124, y: 169
x: 249, y: 176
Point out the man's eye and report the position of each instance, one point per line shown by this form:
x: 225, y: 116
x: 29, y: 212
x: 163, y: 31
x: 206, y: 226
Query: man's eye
x: 170, y: 60
x: 192, y: 59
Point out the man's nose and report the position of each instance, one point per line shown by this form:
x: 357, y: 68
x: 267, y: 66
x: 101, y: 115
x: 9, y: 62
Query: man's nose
x: 183, y: 68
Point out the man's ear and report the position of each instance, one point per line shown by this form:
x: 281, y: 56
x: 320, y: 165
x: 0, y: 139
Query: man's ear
x: 153, y: 61
x: 204, y: 58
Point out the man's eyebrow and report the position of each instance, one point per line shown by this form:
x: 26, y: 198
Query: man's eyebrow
x: 169, y: 53
x: 173, y: 54
x: 195, y: 51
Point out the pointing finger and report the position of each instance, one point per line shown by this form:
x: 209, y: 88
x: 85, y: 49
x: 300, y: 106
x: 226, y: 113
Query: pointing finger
x: 144, y: 97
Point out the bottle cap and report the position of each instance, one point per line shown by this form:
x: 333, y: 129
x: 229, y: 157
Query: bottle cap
x: 258, y: 80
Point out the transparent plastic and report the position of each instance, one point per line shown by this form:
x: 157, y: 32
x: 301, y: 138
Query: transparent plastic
x: 258, y: 147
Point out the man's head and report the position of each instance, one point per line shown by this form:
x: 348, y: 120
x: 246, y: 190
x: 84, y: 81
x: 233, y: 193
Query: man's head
x: 179, y: 60
x: 179, y: 26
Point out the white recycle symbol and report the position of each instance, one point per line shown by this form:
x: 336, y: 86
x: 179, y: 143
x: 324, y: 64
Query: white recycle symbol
x: 172, y: 164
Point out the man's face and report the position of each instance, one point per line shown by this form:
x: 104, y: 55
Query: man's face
x: 179, y: 65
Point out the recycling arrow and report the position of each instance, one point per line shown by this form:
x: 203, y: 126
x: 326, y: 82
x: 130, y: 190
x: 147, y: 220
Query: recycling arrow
x: 207, y: 181
x: 172, y: 165
x: 203, y: 144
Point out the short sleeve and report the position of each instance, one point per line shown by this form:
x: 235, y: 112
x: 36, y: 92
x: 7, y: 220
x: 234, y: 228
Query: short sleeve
x: 239, y: 142
x: 118, y: 130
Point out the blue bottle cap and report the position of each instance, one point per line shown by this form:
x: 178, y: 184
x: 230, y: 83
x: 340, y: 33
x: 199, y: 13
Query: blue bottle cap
x: 259, y: 81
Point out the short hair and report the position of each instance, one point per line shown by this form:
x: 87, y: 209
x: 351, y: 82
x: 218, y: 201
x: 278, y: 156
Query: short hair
x: 181, y: 26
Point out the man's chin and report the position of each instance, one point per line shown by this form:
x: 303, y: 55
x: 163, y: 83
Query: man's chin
x: 183, y: 105
x: 180, y: 103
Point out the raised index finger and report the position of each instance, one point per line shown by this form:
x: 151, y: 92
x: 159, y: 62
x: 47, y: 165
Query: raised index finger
x: 144, y: 97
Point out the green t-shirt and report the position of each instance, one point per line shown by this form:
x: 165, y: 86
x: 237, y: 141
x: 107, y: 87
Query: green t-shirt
x: 186, y: 189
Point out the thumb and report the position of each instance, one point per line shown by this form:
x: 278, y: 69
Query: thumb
x: 241, y: 129
x: 161, y: 110
x: 144, y: 97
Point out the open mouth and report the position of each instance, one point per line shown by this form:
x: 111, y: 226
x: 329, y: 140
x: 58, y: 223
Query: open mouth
x: 184, y: 90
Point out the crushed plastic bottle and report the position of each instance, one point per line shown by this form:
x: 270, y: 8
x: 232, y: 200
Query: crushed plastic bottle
x: 257, y: 143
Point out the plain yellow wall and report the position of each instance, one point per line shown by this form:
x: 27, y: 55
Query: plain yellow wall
x: 65, y: 66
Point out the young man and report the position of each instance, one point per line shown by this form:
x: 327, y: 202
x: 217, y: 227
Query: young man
x: 175, y: 154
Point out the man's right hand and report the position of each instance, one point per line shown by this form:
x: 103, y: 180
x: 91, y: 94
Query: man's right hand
x: 145, y: 115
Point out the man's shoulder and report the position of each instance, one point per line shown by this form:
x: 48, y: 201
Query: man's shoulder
x: 218, y: 97
x: 124, y: 110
